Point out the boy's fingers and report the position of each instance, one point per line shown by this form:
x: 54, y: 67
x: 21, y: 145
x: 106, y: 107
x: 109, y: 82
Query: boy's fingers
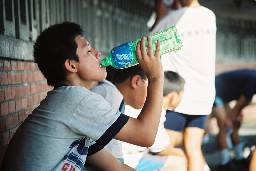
x: 138, y: 52
x: 143, y: 48
x: 157, y: 53
x: 150, y: 49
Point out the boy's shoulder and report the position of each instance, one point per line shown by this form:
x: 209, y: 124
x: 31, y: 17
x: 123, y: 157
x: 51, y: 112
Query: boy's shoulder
x: 106, y: 89
x: 109, y: 92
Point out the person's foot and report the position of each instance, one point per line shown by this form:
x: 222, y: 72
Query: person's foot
x: 230, y: 166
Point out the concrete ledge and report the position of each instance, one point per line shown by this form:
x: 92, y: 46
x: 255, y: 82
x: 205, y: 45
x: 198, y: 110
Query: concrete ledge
x: 15, y: 48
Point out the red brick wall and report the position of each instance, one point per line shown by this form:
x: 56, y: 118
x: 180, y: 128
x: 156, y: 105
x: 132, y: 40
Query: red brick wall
x: 22, y: 87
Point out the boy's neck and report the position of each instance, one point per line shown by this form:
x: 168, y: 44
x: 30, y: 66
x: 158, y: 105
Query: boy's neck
x: 87, y: 85
x: 192, y: 4
x: 167, y: 103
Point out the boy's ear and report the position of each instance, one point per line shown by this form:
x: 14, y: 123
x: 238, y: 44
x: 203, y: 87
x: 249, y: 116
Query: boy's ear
x: 135, y: 81
x: 70, y: 65
x: 172, y: 96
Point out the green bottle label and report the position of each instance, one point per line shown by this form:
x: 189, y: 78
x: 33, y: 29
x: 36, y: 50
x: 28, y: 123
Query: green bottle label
x: 124, y: 56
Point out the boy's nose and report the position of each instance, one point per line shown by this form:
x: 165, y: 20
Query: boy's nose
x: 97, y: 54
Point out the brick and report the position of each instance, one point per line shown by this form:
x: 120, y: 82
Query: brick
x: 30, y: 101
x: 42, y: 96
x: 36, y: 76
x: 4, y: 140
x: 21, y: 90
x: 27, y: 65
x: 24, y: 103
x: 39, y: 88
x: 33, y: 89
x: 36, y: 100
x: 15, y: 93
x: 21, y: 65
x: 30, y: 77
x: 11, y: 78
x: 18, y: 105
x: 8, y: 93
x: 12, y: 106
x: 1, y: 95
x: 2, y: 124
x: 22, y: 116
x: 27, y: 90
x: 7, y: 65
x: 18, y: 78
x: 3, y: 78
x: 14, y: 65
x: 34, y: 66
x: 12, y: 121
x: 24, y: 77
x: 4, y: 108
x: 28, y: 112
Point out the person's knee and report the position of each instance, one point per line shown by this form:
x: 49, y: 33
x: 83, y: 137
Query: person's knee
x: 193, y: 153
x: 192, y: 141
x: 176, y: 137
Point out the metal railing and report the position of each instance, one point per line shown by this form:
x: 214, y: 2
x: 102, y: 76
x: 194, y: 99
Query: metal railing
x: 236, y: 40
x: 107, y: 23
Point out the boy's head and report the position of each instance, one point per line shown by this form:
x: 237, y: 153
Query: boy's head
x: 173, y: 89
x: 131, y: 82
x: 61, y: 50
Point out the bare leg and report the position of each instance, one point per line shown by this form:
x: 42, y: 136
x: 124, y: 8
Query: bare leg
x: 253, y: 161
x: 175, y: 163
x: 192, y: 143
x: 235, y: 136
x: 176, y: 137
x: 220, y: 114
x: 177, y: 159
x: 236, y: 139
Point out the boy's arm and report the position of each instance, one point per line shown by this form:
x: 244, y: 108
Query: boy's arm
x: 162, y: 11
x: 142, y: 131
x: 236, y: 111
x: 104, y: 160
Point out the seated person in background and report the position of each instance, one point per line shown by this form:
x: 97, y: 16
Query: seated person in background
x: 72, y: 119
x: 239, y: 85
x: 132, y: 83
x: 162, y: 155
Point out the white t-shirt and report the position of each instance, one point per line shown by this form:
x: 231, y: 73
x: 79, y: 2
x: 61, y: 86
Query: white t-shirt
x: 110, y: 93
x: 132, y: 153
x: 68, y: 115
x: 195, y: 61
x: 129, y: 152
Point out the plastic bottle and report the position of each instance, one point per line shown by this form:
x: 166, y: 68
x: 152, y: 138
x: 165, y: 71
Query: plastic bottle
x: 124, y: 56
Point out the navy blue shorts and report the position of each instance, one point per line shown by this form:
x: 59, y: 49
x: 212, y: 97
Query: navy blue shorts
x: 177, y: 121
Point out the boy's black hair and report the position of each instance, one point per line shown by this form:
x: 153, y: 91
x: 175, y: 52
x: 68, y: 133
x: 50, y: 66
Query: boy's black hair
x: 173, y: 82
x: 120, y: 75
x: 53, y: 46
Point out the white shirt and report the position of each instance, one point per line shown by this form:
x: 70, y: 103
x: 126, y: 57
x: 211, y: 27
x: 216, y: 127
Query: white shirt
x: 132, y: 153
x: 195, y: 61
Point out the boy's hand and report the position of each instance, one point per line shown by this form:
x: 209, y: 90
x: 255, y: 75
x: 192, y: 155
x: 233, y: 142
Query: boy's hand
x: 149, y: 62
